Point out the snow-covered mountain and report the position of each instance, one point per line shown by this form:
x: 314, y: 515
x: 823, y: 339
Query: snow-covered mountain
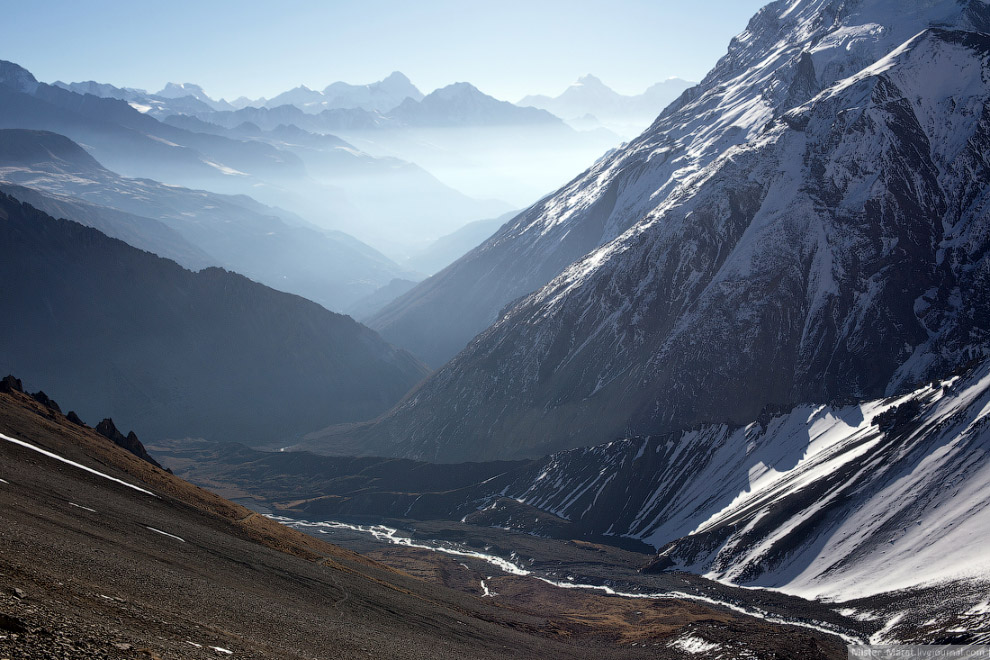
x: 463, y: 104
x: 140, y: 100
x: 174, y: 98
x: 378, y: 96
x: 589, y: 101
x: 326, y: 180
x: 809, y: 224
x: 843, y: 503
x: 183, y: 90
x: 302, y: 97
x: 134, y: 143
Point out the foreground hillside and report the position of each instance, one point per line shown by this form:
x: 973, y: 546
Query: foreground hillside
x: 211, y: 354
x: 105, y: 556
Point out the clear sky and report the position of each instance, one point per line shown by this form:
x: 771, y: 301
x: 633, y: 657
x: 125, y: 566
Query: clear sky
x: 508, y: 48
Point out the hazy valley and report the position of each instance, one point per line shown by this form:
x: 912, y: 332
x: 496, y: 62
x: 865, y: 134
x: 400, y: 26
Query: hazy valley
x: 700, y: 371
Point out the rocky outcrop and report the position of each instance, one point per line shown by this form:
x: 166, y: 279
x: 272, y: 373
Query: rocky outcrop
x: 46, y: 401
x: 11, y: 384
x: 129, y: 442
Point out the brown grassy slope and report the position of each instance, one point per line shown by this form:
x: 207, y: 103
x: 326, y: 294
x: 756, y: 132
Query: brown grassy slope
x: 26, y: 419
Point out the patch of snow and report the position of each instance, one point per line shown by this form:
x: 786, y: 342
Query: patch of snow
x: 853, y: 613
x: 80, y: 506
x: 488, y: 593
x: 230, y: 171
x: 74, y: 464
x: 163, y: 141
x: 979, y: 608
x: 173, y: 536
x: 693, y: 645
x: 883, y: 635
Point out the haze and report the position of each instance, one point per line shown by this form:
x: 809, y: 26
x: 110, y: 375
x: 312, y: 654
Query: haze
x: 509, y: 49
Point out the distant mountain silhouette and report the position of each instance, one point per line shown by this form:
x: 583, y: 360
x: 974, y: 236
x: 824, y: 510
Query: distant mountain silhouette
x: 235, y: 232
x: 130, y: 142
x: 172, y: 353
x: 589, y: 101
x: 463, y: 104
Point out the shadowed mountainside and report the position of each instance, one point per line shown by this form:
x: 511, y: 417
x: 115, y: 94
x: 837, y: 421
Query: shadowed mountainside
x: 210, y: 354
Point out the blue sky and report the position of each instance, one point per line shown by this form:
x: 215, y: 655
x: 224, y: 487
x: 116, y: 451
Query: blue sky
x: 508, y: 48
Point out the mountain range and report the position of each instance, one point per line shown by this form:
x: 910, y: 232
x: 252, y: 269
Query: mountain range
x: 235, y: 232
x: 456, y: 105
x: 331, y: 183
x: 477, y: 144
x: 485, y: 148
x: 133, y: 143
x: 378, y: 96
x: 589, y: 102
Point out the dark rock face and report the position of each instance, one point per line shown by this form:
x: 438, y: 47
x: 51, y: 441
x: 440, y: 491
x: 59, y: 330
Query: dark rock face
x: 46, y: 401
x: 123, y: 333
x: 129, y: 442
x: 840, y: 253
x: 74, y: 418
x: 11, y: 384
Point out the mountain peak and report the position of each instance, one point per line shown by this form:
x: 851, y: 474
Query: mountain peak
x: 457, y: 90
x: 397, y: 77
x: 17, y: 77
x: 177, y: 90
x: 589, y: 80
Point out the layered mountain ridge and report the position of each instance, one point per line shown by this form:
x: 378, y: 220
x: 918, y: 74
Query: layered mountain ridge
x: 270, y: 245
x: 334, y: 185
x: 172, y: 353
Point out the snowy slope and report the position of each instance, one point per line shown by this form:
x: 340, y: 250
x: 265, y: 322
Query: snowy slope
x: 789, y: 52
x: 839, y: 252
x: 908, y: 508
x: 821, y: 501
